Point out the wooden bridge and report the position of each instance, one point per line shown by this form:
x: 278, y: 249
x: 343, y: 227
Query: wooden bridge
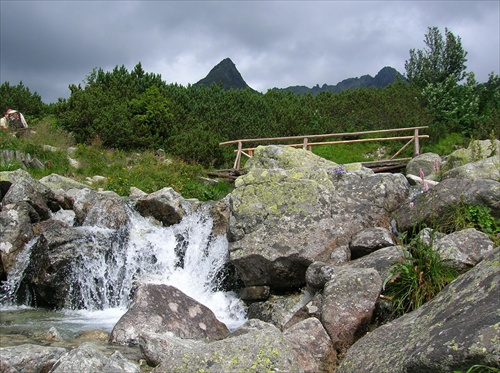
x: 308, y: 141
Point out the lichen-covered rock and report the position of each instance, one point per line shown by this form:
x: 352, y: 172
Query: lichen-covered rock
x: 457, y: 329
x: 463, y: 249
x: 88, y: 358
x: 163, y: 308
x: 285, y: 157
x: 251, y: 349
x: 438, y: 203
x: 55, y: 181
x: 359, y: 203
x: 278, y: 225
x: 477, y: 150
x: 349, y: 300
x: 29, y: 358
x: 284, y: 219
x: 426, y: 162
x: 488, y: 168
x: 312, y: 346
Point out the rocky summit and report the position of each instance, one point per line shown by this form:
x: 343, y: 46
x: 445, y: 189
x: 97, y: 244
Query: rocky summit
x: 311, y: 246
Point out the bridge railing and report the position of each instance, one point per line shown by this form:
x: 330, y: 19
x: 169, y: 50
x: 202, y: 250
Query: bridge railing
x: 308, y: 141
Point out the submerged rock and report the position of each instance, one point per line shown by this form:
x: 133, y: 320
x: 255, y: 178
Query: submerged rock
x: 87, y: 358
x: 29, y: 358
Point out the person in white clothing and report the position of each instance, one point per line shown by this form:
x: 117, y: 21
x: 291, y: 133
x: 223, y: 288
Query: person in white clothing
x: 13, y: 119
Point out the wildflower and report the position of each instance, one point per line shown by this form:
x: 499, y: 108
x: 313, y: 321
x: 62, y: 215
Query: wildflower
x: 436, y: 165
x: 422, y: 176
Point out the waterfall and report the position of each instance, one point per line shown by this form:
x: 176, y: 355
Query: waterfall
x: 185, y: 255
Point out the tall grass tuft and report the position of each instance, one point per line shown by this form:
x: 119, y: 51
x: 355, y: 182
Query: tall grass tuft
x: 417, y: 278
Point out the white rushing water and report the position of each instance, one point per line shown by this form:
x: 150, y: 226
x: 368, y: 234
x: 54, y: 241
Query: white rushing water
x: 184, y: 255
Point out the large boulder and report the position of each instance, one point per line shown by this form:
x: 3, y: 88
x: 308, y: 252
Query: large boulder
x: 55, y: 182
x: 101, y: 210
x: 477, y: 150
x: 284, y: 219
x: 163, y: 308
x: 312, y: 346
x: 438, y: 203
x: 429, y: 163
x: 349, y: 300
x: 165, y: 205
x: 452, y: 332
x: 463, y: 249
x: 17, y: 186
x: 15, y: 232
x: 286, y: 157
x: 68, y: 268
x: 255, y: 347
x: 488, y: 168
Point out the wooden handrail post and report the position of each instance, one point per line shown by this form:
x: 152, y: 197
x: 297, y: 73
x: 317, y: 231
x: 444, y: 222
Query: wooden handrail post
x: 305, y: 144
x: 238, y: 156
x: 417, y: 144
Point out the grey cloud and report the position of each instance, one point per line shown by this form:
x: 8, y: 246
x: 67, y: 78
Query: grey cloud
x: 273, y: 43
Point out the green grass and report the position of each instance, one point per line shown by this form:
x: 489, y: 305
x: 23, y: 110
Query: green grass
x: 464, y: 215
x: 361, y: 151
x: 446, y: 145
x: 417, y: 278
x: 122, y: 170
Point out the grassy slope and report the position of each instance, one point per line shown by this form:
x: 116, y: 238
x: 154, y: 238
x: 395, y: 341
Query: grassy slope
x: 150, y: 172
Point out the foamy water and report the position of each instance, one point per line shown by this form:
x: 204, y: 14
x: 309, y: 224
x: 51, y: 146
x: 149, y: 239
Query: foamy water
x: 184, y: 255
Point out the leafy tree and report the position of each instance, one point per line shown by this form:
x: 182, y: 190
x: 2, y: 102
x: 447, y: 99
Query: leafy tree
x: 455, y: 107
x: 489, y: 107
x: 438, y: 61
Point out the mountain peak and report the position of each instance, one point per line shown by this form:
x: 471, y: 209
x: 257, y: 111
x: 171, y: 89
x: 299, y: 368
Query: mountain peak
x: 384, y: 77
x: 226, y: 74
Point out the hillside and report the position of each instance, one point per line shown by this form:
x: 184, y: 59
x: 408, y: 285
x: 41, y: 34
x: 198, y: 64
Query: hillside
x: 384, y: 77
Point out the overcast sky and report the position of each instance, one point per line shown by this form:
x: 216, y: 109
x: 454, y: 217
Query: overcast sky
x: 51, y: 44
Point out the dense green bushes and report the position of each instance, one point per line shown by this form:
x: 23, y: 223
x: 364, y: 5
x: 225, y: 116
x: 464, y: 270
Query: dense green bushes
x: 138, y: 111
x: 19, y: 97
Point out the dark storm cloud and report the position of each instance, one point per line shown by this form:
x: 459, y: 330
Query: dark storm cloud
x: 51, y: 44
